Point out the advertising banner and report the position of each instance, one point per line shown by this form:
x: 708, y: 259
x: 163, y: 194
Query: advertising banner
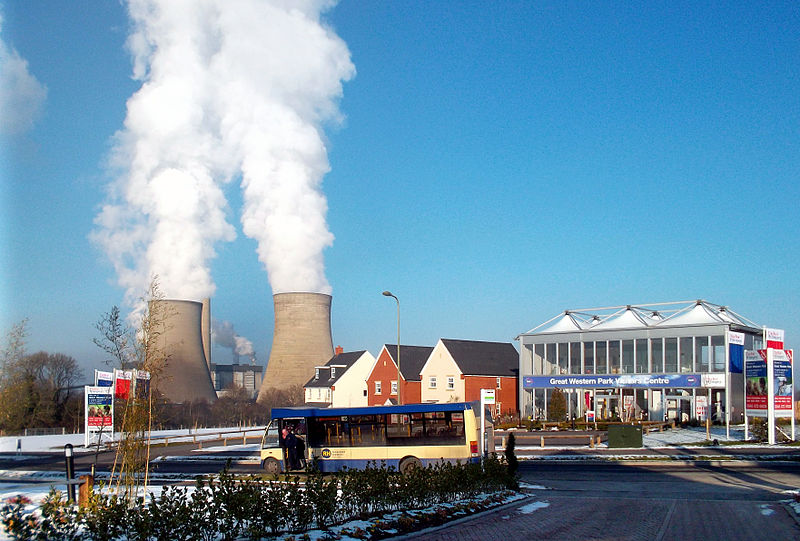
x: 701, y: 407
x: 122, y: 384
x: 756, y: 384
x: 782, y: 381
x: 604, y: 381
x: 142, y: 384
x: 736, y: 352
x: 774, y: 338
x: 103, y: 378
x: 98, y: 412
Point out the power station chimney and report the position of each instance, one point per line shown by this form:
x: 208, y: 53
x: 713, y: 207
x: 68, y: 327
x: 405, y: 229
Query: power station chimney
x: 185, y: 376
x: 301, y: 340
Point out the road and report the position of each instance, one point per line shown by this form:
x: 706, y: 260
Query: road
x: 630, y: 501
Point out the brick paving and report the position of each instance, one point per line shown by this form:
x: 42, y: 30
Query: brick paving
x: 604, y: 518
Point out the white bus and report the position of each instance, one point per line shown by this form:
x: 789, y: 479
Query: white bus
x: 405, y: 437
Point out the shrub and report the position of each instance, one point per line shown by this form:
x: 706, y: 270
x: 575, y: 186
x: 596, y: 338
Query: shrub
x: 231, y: 508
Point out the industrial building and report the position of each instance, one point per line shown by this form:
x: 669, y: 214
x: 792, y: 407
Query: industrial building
x: 677, y: 360
x: 245, y: 376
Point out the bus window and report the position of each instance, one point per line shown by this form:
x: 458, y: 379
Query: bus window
x: 270, y: 440
x: 367, y: 430
x: 444, y: 427
x: 328, y: 432
x: 417, y: 425
x: 398, y: 429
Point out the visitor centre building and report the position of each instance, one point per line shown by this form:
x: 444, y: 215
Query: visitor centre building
x: 669, y: 361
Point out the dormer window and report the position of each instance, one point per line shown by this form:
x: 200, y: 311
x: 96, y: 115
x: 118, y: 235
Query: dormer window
x: 333, y: 372
x: 316, y: 373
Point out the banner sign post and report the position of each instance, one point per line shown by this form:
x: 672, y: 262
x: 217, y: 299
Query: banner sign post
x: 769, y: 387
x: 487, y: 397
x: 98, y: 414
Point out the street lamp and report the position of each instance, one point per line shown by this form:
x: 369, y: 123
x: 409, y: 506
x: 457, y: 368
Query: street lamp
x: 389, y: 294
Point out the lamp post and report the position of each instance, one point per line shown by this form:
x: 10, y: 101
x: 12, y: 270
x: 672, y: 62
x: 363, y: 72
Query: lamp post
x: 389, y: 294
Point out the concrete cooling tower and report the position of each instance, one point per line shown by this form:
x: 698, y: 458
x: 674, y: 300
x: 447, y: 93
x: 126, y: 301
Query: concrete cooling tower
x: 186, y: 339
x: 301, y: 340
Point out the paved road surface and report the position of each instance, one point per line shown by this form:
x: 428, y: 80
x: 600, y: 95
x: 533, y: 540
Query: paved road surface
x: 643, y: 502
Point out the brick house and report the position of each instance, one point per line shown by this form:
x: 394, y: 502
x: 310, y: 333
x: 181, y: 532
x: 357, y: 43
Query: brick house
x: 457, y: 370
x: 382, y: 381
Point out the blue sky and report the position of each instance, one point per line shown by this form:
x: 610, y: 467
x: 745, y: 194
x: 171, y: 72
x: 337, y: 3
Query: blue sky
x: 495, y: 165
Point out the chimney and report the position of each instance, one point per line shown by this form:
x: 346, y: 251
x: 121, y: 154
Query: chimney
x: 339, y: 350
x: 181, y: 326
x: 301, y: 340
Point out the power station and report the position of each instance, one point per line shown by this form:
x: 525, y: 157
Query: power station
x: 301, y: 339
x: 184, y: 336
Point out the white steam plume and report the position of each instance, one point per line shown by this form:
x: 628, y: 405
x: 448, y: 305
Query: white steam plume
x: 229, y: 87
x: 224, y: 335
x: 22, y: 96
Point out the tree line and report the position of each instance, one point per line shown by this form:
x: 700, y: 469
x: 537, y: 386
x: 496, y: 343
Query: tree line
x: 38, y: 390
x: 45, y: 390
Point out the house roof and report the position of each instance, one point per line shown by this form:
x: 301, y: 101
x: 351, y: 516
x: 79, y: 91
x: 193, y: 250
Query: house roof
x: 412, y: 359
x: 342, y: 362
x: 475, y: 358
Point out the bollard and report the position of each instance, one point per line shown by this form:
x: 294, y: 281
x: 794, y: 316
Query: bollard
x: 503, y: 442
x: 541, y: 438
x: 591, y: 442
x: 244, y: 439
x: 85, y: 489
x: 70, y: 466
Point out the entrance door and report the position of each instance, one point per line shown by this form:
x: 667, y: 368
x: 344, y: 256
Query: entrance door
x: 606, y: 406
x: 679, y: 408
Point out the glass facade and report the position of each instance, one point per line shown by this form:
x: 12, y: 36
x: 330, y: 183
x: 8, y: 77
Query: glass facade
x: 670, y: 355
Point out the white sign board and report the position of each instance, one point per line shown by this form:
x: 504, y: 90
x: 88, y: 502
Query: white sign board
x: 487, y: 396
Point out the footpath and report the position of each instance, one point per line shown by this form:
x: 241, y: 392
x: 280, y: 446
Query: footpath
x: 678, y: 444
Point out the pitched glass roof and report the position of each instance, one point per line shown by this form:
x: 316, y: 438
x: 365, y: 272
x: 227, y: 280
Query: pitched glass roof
x: 642, y: 316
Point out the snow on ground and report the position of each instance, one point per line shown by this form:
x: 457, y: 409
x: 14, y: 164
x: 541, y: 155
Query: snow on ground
x: 32, y: 444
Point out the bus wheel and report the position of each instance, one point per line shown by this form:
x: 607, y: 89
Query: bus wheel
x: 272, y: 466
x: 409, y: 464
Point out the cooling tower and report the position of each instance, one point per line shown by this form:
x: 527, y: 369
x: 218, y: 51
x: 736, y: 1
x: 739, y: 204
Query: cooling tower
x: 301, y: 340
x: 185, y: 376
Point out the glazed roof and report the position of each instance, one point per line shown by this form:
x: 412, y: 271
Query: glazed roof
x: 642, y: 316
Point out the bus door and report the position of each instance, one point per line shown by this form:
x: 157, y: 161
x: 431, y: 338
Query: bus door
x: 274, y: 455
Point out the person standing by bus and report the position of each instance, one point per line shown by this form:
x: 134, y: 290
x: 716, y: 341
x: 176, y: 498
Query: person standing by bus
x: 291, y: 447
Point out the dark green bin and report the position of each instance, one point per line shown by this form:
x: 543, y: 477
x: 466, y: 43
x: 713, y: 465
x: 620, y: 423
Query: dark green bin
x: 624, y: 436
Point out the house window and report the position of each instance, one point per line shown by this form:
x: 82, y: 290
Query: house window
x: 498, y: 382
x: 377, y: 387
x: 497, y: 409
x: 333, y: 372
x: 316, y: 373
x: 432, y: 382
x: 394, y: 387
x: 451, y: 383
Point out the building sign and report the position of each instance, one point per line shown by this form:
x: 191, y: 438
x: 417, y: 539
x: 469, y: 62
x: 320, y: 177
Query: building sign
x: 603, y: 381
x: 712, y: 381
x: 487, y: 396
